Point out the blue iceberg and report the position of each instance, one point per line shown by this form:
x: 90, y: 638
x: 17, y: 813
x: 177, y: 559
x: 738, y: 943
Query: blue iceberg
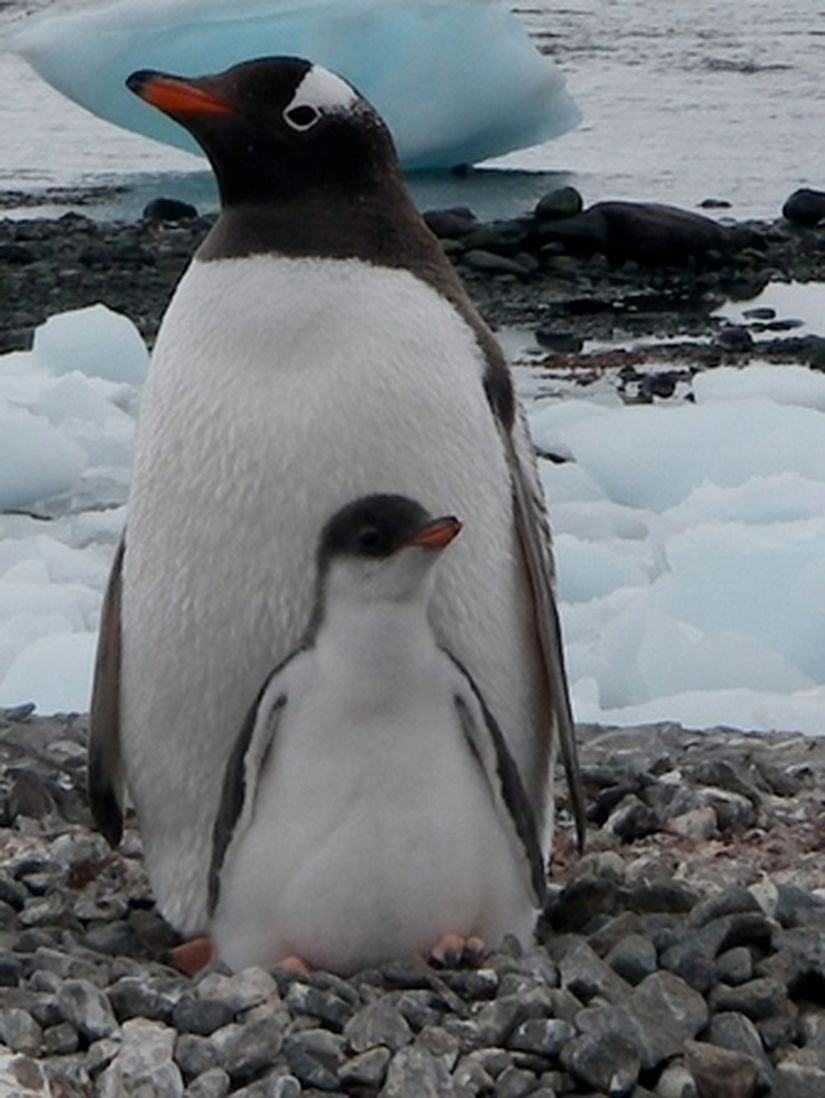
x: 457, y: 81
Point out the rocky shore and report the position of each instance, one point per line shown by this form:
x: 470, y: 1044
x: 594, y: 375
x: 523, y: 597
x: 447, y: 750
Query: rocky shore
x: 569, y: 273
x: 682, y: 957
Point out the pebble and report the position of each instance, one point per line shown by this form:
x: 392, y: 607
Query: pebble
x: 642, y: 970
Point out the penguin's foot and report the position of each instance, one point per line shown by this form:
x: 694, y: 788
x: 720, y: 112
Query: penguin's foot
x: 295, y: 965
x: 452, y: 950
x: 193, y: 956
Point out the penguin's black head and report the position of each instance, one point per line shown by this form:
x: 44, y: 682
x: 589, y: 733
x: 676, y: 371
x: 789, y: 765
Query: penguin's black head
x: 376, y: 527
x: 381, y: 547
x: 276, y: 126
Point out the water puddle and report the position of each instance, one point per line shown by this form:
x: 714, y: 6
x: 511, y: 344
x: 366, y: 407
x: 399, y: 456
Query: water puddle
x: 782, y: 309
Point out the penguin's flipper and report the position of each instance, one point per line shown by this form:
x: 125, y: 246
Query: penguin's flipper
x: 240, y: 783
x: 489, y: 748
x: 105, y: 769
x: 534, y: 535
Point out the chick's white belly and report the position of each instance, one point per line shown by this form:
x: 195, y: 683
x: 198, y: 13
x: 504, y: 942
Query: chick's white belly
x: 369, y: 844
x: 258, y: 423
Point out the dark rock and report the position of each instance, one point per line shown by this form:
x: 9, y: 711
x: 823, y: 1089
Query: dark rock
x: 734, y: 338
x: 87, y: 1009
x: 795, y: 1080
x: 479, y: 259
x: 168, y: 209
x: 721, y: 1073
x: 515, y: 1082
x: 413, y: 1071
x: 581, y: 901
x: 60, y: 1040
x: 214, y: 1083
x: 738, y: 1033
x: 19, y: 1031
x: 563, y: 343
x: 562, y: 202
x: 195, y: 1055
x: 757, y: 999
x: 201, y: 1016
x: 501, y: 237
x: 380, y: 1023
x: 645, y: 233
x: 133, y: 997
x: 541, y: 1036
x: 715, y: 204
x: 735, y: 966
x: 805, y: 207
x: 367, y: 1069
x: 314, y: 1057
x: 632, y: 819
x: 662, y: 896
x: 607, y: 1061
x: 585, y: 974
x: 731, y: 901
x: 451, y: 223
x: 633, y: 958
x: 321, y: 1004
x: 657, y: 1018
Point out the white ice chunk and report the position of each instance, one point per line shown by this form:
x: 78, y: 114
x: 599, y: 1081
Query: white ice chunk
x: 457, y: 81
x: 785, y: 384
x: 96, y: 341
x: 589, y: 569
x: 54, y: 671
x: 653, y: 457
x: 36, y: 460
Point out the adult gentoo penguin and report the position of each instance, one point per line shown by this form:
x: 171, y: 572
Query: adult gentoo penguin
x: 371, y: 808
x: 319, y: 348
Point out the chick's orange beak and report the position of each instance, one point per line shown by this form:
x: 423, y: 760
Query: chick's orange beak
x: 175, y: 96
x: 438, y: 533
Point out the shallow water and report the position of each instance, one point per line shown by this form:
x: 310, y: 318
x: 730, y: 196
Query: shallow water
x: 681, y: 102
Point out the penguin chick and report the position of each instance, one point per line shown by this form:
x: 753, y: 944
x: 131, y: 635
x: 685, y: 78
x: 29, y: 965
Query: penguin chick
x: 371, y: 807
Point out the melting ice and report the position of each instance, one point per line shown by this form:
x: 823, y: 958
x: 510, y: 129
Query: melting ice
x: 457, y: 81
x: 688, y: 536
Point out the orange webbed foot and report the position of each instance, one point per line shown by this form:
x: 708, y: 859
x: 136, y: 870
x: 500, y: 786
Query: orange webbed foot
x: 452, y: 950
x: 193, y: 956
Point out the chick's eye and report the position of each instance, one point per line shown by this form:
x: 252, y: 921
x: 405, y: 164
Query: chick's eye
x: 369, y: 539
x: 303, y: 117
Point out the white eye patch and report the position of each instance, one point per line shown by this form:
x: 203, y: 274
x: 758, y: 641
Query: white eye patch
x: 320, y: 92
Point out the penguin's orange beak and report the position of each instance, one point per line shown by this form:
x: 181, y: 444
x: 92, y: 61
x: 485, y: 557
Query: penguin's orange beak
x: 438, y: 533
x: 175, y: 96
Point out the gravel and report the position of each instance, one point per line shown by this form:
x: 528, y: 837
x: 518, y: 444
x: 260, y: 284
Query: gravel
x: 667, y: 964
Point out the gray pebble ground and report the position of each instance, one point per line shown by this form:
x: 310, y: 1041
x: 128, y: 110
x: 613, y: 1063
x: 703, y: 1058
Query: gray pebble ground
x: 682, y: 957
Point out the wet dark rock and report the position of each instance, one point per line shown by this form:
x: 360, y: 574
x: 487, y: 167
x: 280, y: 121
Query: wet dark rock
x: 645, y: 233
x: 479, y: 259
x: 805, y: 207
x: 452, y: 223
x: 561, y: 202
x: 734, y: 338
x: 168, y: 209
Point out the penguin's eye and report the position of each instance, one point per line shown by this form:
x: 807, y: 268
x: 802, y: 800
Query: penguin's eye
x: 303, y: 117
x: 369, y: 540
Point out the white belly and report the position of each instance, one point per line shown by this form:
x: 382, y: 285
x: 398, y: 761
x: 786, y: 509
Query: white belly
x: 279, y: 391
x: 370, y: 840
